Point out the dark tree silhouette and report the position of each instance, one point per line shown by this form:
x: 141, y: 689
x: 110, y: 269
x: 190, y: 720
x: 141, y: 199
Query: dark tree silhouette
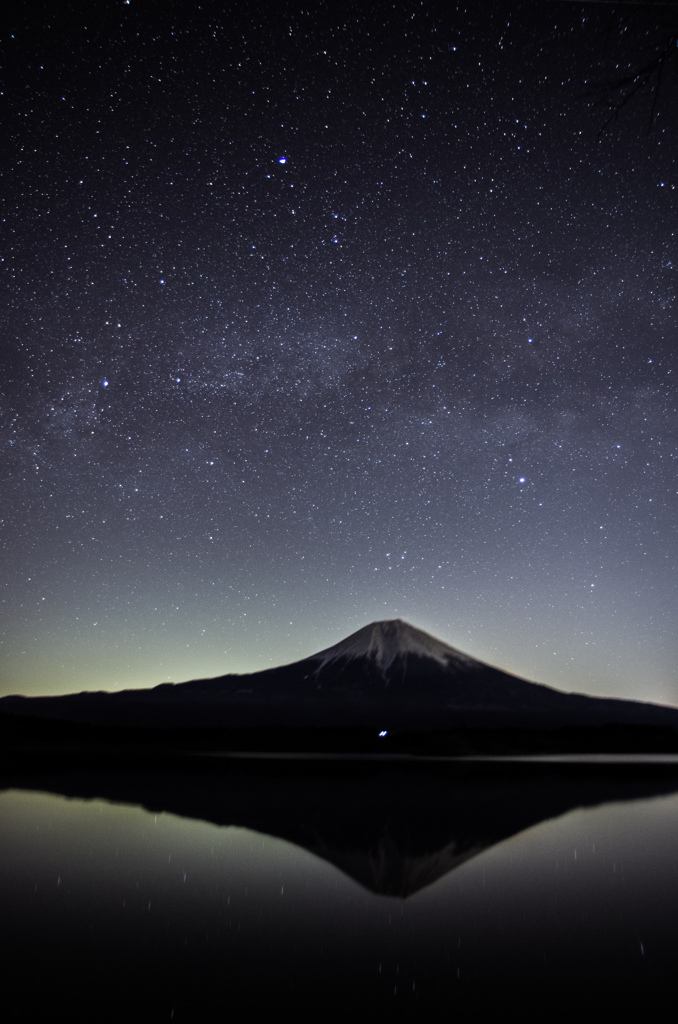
x: 651, y: 28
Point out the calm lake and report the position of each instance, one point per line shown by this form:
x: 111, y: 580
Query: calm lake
x: 177, y: 895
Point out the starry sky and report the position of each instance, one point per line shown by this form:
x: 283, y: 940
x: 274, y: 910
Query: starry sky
x: 316, y: 314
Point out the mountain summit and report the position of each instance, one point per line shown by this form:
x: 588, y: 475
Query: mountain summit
x: 383, y: 643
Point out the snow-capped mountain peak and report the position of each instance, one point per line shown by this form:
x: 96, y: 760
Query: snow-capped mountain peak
x: 383, y: 642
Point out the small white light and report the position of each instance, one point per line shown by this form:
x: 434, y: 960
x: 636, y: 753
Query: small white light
x: 383, y: 733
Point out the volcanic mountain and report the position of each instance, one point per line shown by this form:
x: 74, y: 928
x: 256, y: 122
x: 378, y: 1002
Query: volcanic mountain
x: 388, y: 679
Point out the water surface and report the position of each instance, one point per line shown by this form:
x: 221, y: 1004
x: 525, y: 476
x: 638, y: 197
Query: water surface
x: 176, y: 896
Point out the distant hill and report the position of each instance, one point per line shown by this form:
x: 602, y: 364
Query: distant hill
x: 387, y: 687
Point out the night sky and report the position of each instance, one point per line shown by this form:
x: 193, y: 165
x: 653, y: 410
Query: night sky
x: 320, y: 314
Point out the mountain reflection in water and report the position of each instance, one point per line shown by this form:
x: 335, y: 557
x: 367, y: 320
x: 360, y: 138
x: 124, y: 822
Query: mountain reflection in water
x: 403, y: 832
x: 393, y: 829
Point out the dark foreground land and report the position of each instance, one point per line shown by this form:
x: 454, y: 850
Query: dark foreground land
x: 43, y: 738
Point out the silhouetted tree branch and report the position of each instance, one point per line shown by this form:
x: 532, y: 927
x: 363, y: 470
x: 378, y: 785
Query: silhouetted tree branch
x: 659, y: 21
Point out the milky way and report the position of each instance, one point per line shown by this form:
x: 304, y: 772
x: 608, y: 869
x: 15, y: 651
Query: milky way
x: 317, y: 315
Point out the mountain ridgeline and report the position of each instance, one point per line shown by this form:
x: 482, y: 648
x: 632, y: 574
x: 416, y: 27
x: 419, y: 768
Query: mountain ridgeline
x: 389, y: 687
